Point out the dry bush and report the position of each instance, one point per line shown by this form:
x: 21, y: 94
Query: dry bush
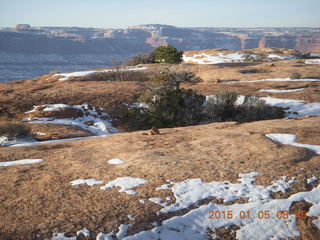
x: 223, y: 107
x: 13, y: 130
x: 120, y: 75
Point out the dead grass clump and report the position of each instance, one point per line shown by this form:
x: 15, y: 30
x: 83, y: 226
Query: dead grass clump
x: 116, y: 76
x: 13, y: 130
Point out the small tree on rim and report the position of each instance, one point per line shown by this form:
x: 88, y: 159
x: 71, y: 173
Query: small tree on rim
x: 167, y: 54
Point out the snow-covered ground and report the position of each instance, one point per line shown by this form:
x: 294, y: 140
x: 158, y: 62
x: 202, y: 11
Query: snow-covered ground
x: 20, y: 162
x: 261, y: 216
x: 209, y: 59
x: 313, y: 61
x: 229, y: 58
x: 281, y: 90
x: 67, y: 76
x: 99, y: 126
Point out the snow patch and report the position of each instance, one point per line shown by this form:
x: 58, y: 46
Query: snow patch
x: 90, y: 182
x: 20, y: 162
x: 191, y: 191
x: 281, y: 91
x: 312, y: 180
x: 283, y: 57
x: 85, y: 232
x: 125, y: 183
x: 116, y: 161
x: 313, y: 61
x: 289, y: 139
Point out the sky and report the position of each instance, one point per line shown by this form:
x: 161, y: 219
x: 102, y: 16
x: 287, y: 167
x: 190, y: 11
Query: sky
x: 181, y: 13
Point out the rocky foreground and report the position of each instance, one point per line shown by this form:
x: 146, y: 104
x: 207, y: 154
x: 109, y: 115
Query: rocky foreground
x: 137, y: 186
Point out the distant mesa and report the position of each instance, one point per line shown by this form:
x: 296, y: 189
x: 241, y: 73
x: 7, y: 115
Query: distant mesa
x: 22, y: 27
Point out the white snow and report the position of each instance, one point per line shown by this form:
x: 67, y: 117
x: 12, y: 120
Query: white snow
x: 90, y: 182
x: 194, y: 224
x: 142, y: 201
x: 85, y: 232
x: 209, y: 59
x: 61, y: 236
x: 116, y: 161
x: 39, y: 133
x: 125, y: 183
x: 67, y: 76
x: 191, y: 191
x: 99, y: 126
x: 130, y: 217
x: 31, y: 142
x: 312, y: 179
x: 159, y: 201
x: 313, y: 61
x: 289, y: 139
x: 111, y: 236
x: 284, y: 57
x: 20, y: 162
x: 3, y: 140
x: 281, y: 90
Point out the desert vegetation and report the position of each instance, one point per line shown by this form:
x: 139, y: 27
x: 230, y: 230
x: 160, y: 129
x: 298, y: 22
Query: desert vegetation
x: 230, y: 106
x: 162, y: 54
x: 12, y: 130
x: 166, y: 104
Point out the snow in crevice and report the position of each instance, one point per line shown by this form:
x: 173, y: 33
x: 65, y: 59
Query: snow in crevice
x: 20, y: 162
x: 281, y: 90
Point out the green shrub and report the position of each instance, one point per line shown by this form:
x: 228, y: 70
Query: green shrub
x: 255, y: 109
x: 169, y: 79
x: 223, y: 107
x: 167, y: 54
x: 134, y: 119
x: 166, y: 105
x: 13, y: 130
x: 295, y: 75
x: 176, y: 107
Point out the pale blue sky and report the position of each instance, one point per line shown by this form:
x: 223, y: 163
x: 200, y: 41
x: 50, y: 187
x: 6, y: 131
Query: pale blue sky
x: 182, y: 13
